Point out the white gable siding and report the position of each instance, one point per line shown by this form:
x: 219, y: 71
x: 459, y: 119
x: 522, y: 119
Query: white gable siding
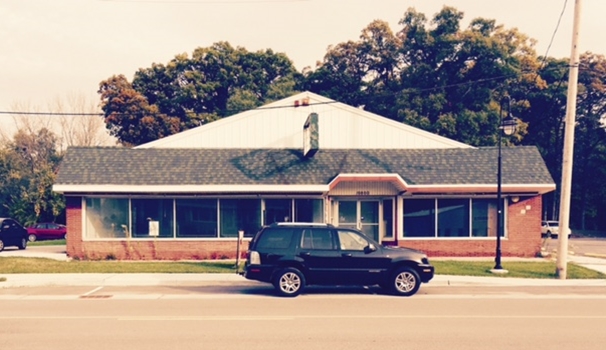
x: 280, y: 125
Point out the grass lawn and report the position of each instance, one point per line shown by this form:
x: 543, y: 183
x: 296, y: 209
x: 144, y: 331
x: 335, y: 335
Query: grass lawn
x: 443, y: 267
x: 45, y: 243
x: 522, y: 269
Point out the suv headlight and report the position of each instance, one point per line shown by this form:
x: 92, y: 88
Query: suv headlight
x: 254, y: 258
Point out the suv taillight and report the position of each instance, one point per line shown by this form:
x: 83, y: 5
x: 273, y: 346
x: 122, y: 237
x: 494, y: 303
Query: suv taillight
x: 254, y: 258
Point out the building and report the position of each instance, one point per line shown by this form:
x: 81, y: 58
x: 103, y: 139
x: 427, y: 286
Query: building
x: 303, y: 158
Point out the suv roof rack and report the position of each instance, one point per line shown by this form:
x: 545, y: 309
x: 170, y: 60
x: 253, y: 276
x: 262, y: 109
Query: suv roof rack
x: 317, y: 224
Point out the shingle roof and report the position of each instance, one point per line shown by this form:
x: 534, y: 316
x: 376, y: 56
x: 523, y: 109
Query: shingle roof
x: 459, y: 166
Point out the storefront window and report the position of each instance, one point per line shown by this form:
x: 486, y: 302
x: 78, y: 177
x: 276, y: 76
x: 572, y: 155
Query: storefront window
x: 196, y: 217
x: 484, y: 218
x: 152, y: 218
x: 192, y: 217
x: 106, y: 218
x: 419, y: 218
x: 278, y: 210
x: 453, y: 217
x: 240, y: 214
x: 309, y: 210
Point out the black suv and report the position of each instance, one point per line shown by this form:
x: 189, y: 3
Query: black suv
x: 293, y: 255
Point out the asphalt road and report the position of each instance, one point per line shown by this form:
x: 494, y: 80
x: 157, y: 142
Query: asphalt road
x: 315, y: 321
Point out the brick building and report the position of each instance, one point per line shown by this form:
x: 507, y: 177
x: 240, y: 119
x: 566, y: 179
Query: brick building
x: 304, y: 158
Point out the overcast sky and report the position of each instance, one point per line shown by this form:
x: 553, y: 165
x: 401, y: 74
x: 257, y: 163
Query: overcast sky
x: 50, y: 49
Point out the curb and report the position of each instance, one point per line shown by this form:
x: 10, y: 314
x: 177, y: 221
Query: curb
x: 207, y: 279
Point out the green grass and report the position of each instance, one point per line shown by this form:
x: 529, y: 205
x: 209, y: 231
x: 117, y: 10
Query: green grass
x: 520, y: 269
x: 443, y: 267
x: 43, y: 265
x: 46, y: 243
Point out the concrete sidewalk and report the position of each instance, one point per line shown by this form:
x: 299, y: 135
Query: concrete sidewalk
x: 193, y: 279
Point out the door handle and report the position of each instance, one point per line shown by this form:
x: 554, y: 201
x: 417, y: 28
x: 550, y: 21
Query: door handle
x: 346, y: 255
x: 304, y: 254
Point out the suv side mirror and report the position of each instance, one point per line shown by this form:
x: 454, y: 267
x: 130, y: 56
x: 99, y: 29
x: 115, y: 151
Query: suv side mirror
x: 370, y: 248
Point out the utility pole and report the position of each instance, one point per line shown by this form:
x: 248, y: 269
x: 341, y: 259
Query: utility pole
x: 568, y: 154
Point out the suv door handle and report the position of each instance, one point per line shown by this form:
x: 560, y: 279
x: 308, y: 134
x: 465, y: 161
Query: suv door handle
x: 304, y: 254
x: 346, y: 255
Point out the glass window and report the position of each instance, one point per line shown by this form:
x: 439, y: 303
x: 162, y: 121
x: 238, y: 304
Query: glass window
x: 309, y: 210
x: 196, y: 217
x: 240, y: 214
x: 453, y: 217
x: 152, y: 218
x: 484, y: 218
x: 106, y: 218
x: 456, y: 217
x: 275, y: 238
x: 278, y: 210
x: 388, y: 218
x: 319, y: 239
x: 419, y: 218
x: 350, y: 240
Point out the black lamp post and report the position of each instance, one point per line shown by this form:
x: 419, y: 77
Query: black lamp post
x: 508, y: 127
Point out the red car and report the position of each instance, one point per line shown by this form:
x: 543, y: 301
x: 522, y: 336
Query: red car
x: 46, y: 230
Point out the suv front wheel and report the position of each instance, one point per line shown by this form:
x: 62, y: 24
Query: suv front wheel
x: 405, y: 281
x: 289, y: 282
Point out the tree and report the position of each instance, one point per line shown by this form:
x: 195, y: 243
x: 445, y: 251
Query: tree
x: 79, y: 123
x: 73, y: 118
x: 432, y: 75
x: 28, y: 166
x: 128, y: 115
x: 214, y: 83
x: 589, y: 189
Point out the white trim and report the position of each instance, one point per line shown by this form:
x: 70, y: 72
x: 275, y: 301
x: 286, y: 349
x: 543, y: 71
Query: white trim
x: 285, y: 189
x: 466, y: 188
x: 190, y: 188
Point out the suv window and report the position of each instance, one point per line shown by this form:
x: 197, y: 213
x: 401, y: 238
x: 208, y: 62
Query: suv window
x: 275, y: 238
x: 317, y: 239
x: 351, y: 240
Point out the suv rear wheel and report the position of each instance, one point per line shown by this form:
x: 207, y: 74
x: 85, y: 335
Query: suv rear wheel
x: 23, y: 243
x: 289, y: 282
x: 405, y: 281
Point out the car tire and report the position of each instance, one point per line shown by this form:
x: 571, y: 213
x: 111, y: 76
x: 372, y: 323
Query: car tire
x: 32, y: 238
x: 23, y: 243
x: 289, y: 282
x: 1, y: 245
x: 405, y: 281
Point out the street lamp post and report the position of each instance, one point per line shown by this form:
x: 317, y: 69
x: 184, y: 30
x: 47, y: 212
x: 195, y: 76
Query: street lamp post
x: 508, y: 127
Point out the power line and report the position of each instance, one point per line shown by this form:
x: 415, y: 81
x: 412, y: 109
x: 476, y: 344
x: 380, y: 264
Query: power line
x: 52, y: 113
x: 405, y: 90
x: 554, y: 32
x: 207, y: 2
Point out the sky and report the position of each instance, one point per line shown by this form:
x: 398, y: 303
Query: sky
x: 53, y: 49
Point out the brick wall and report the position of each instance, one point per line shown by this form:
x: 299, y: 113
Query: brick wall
x: 523, y: 240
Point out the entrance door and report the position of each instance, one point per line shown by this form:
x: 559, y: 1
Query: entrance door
x: 362, y: 215
x: 369, y: 219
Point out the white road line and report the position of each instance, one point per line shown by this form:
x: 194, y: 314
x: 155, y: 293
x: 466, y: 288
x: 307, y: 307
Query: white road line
x: 290, y: 318
x: 92, y: 291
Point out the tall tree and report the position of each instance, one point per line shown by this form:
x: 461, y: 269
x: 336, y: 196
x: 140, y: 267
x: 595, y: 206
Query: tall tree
x: 216, y: 82
x: 430, y: 74
x: 589, y: 189
x: 28, y: 165
x: 128, y: 115
x: 73, y: 118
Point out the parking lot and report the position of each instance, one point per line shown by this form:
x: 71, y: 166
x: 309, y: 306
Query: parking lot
x: 582, y: 246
